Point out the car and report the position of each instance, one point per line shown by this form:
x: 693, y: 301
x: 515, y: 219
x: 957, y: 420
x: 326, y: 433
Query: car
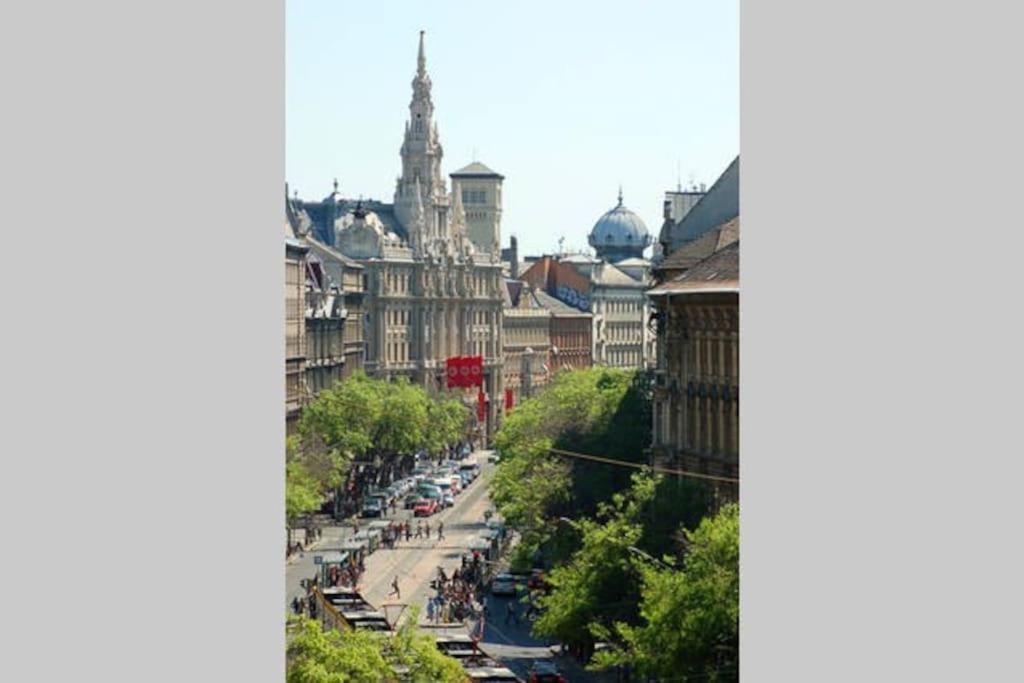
x: 425, y: 507
x: 544, y: 671
x: 503, y: 584
x: 372, y: 508
x: 537, y: 582
x: 428, y: 490
x: 410, y: 501
x: 448, y: 500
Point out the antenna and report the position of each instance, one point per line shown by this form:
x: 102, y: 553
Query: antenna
x: 679, y: 176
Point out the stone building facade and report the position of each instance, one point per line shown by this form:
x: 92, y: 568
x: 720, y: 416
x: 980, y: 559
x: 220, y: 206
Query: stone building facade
x: 696, y: 396
x: 571, y: 334
x: 325, y: 321
x: 613, y: 296
x: 433, y: 287
x: 294, y: 329
x: 526, y: 340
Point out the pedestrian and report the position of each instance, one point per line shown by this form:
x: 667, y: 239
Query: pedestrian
x: 394, y: 589
x: 355, y: 526
x: 510, y: 613
x: 440, y: 531
x: 296, y: 605
x: 430, y: 610
x: 428, y: 530
x: 419, y: 529
x: 408, y: 533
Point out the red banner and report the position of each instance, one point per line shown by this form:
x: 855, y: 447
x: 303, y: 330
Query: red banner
x: 465, y: 371
x: 509, y: 400
x: 476, y: 370
x: 481, y: 407
x: 451, y: 368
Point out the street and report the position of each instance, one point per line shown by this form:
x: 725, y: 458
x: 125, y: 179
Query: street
x: 415, y: 564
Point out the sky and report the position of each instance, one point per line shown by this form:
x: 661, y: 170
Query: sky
x: 567, y: 100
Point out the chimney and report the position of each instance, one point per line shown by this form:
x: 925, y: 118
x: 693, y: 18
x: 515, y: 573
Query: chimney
x: 514, y: 256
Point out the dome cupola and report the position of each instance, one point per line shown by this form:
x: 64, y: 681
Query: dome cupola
x: 619, y: 234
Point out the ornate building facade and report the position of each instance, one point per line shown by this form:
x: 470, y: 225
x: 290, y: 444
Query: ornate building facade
x: 610, y: 286
x: 433, y: 276
x: 294, y: 328
x: 696, y: 398
x: 696, y: 302
x: 527, y: 340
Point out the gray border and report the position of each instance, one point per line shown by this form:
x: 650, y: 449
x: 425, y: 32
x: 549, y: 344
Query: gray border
x: 881, y: 341
x: 143, y: 148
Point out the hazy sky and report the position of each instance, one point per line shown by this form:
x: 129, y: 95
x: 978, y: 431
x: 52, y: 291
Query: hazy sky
x: 565, y: 99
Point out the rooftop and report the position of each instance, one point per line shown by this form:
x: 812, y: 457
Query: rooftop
x: 476, y: 170
x: 704, y: 246
x: 720, y: 272
x: 559, y: 308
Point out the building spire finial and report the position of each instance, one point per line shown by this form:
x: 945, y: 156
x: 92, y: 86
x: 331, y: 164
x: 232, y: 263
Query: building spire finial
x: 335, y: 184
x: 620, y: 194
x: 421, y: 62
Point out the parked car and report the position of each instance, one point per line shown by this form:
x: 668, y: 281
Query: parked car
x: 372, y: 508
x: 410, y: 501
x: 447, y: 500
x: 425, y: 507
x: 503, y: 584
x: 545, y: 671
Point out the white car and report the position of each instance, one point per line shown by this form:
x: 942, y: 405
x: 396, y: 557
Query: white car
x: 503, y: 584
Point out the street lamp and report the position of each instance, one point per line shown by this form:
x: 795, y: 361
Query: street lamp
x: 641, y: 553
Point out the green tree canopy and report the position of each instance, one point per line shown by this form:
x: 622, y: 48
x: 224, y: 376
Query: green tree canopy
x: 319, y: 656
x: 369, y: 419
x: 597, y: 411
x: 302, y: 494
x: 599, y: 585
x: 690, y: 618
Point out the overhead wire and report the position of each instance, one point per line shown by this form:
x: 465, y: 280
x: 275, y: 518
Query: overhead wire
x: 637, y: 465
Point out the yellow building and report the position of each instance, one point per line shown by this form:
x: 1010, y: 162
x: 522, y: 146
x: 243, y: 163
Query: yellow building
x: 696, y: 397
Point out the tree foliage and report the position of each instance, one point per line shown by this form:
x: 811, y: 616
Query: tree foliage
x: 319, y: 656
x: 599, y: 585
x: 689, y: 619
x: 302, y: 493
x: 597, y: 411
x: 376, y: 421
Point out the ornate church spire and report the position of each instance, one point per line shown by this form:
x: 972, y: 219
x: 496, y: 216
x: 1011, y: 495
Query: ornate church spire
x: 418, y: 225
x: 421, y: 61
x: 421, y: 179
x: 421, y: 83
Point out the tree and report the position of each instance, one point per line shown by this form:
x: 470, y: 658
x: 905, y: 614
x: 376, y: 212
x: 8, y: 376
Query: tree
x: 597, y: 411
x: 447, y: 423
x: 418, y: 652
x: 318, y: 656
x: 301, y: 492
x: 599, y: 586
x: 689, y: 618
